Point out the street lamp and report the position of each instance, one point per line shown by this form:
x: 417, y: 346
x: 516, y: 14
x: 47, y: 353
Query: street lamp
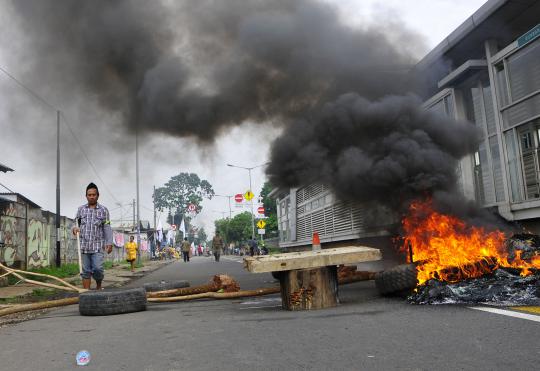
x: 252, y: 215
x: 229, y: 197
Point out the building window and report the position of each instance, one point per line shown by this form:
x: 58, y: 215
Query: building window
x: 524, y: 71
x: 526, y: 141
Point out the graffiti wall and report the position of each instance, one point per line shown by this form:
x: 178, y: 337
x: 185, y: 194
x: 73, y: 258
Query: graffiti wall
x: 12, y: 233
x: 38, y: 243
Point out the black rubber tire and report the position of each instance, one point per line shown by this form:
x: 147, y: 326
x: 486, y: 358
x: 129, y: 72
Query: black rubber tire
x: 165, y: 285
x: 276, y: 275
x: 108, y: 302
x: 399, y: 280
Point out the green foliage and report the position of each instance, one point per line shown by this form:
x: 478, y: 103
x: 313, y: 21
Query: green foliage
x: 270, y: 210
x: 107, y: 264
x: 201, y: 236
x: 65, y: 270
x: 269, y: 204
x: 180, y: 191
x: 236, y: 229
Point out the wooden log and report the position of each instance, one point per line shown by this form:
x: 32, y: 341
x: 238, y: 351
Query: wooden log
x: 218, y: 295
x: 306, y: 289
x: 17, y: 272
x: 183, y: 291
x: 45, y: 284
x: 219, y: 282
x: 40, y: 305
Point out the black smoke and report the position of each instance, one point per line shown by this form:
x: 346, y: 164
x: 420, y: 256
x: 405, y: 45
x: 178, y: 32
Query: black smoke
x: 194, y: 68
x: 389, y: 151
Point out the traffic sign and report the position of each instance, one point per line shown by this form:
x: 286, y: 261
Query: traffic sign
x: 260, y: 209
x: 262, y: 231
x: 173, y: 226
x: 192, y: 208
x: 249, y: 195
x: 239, y: 197
x: 261, y: 224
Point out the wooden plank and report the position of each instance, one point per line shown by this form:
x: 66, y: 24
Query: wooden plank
x: 311, y: 259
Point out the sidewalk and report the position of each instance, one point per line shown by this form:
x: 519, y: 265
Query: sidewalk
x: 114, y: 277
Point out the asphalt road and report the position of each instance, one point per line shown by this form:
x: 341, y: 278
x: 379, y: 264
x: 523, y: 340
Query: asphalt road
x: 366, y: 332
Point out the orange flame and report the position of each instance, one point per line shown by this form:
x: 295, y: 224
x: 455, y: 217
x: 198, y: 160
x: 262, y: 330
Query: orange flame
x: 449, y: 250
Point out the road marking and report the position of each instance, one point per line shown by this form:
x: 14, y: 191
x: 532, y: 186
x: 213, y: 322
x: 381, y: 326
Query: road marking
x: 535, y: 310
x: 509, y: 313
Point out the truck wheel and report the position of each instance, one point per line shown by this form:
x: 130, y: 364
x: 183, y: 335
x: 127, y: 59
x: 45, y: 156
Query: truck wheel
x: 165, y: 285
x: 399, y: 280
x: 108, y: 302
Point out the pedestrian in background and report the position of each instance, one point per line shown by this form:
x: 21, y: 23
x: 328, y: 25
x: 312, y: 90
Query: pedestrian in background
x: 131, y: 250
x: 217, y: 246
x: 253, y: 249
x: 94, y: 227
x: 186, y: 248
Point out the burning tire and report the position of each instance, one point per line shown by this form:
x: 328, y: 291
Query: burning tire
x: 165, y: 285
x: 399, y: 280
x: 105, y: 303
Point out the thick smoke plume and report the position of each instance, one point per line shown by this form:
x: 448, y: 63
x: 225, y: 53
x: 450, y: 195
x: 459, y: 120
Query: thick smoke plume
x: 193, y: 69
x: 389, y: 151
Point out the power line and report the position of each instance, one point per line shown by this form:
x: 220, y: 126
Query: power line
x: 7, y: 188
x: 45, y: 102
x: 28, y: 90
x: 86, y: 156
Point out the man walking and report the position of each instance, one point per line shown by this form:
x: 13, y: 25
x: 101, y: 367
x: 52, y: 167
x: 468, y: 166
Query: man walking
x: 186, y: 247
x: 94, y: 226
x: 217, y: 245
x: 253, y: 248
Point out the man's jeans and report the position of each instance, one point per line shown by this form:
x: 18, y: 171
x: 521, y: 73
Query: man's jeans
x: 92, y: 265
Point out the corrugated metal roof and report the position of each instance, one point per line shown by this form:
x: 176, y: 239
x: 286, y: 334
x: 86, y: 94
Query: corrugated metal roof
x: 4, y: 168
x: 28, y: 201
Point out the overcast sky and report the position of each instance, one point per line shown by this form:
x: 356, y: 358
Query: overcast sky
x: 29, y: 148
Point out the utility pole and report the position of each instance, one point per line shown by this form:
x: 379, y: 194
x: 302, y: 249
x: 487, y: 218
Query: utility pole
x: 58, y: 260
x: 133, y: 215
x: 155, y: 228
x: 154, y: 240
x: 138, y: 200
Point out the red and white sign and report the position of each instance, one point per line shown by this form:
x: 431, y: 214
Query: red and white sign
x: 191, y: 208
x: 239, y: 197
x: 260, y: 210
x: 173, y: 227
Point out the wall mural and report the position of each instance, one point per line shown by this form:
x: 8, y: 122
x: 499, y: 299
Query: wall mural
x: 12, y: 226
x: 38, y: 244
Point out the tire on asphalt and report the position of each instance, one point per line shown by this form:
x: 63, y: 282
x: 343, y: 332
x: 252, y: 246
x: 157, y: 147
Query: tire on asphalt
x: 165, y: 285
x: 399, y: 280
x: 108, y: 302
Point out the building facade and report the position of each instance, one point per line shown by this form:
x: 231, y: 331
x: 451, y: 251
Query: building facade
x: 487, y: 71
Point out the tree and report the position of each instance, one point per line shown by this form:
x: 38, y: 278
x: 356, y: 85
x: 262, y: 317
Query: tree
x: 236, y: 229
x: 202, y: 237
x: 181, y: 191
x: 270, y: 209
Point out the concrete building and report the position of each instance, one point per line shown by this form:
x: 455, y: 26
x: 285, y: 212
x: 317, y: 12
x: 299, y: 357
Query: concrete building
x: 487, y: 71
